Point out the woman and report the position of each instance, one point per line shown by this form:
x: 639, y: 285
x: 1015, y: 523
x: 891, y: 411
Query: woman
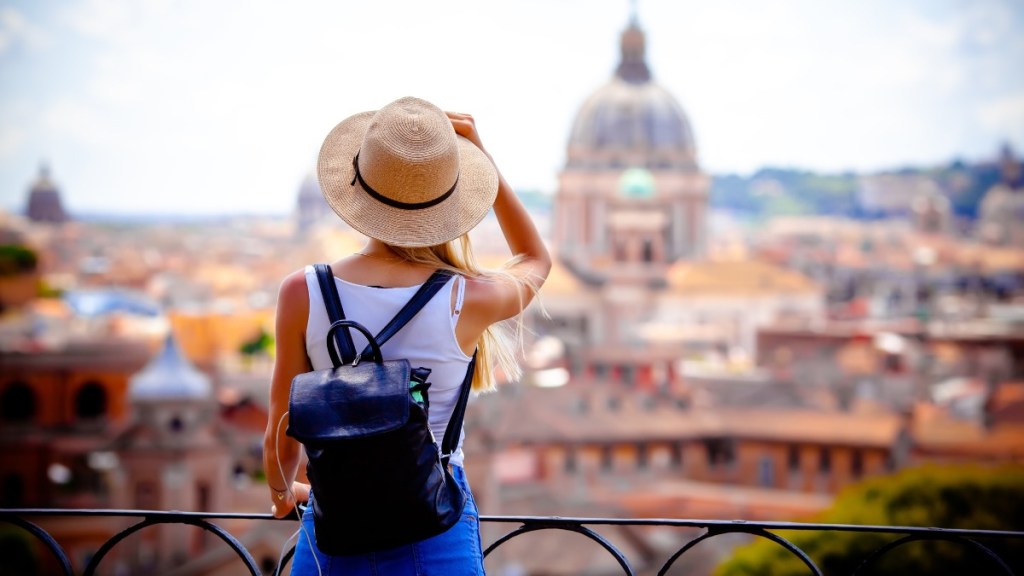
x: 414, y: 180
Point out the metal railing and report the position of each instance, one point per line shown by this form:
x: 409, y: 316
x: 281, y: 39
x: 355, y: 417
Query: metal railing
x: 902, y: 535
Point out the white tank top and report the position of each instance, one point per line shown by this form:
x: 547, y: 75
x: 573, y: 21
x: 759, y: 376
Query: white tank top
x: 428, y: 340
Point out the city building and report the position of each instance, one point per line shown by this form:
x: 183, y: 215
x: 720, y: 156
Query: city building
x: 1001, y: 215
x: 633, y: 289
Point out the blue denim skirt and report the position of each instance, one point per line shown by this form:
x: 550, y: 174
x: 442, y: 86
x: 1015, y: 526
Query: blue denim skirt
x: 457, y: 552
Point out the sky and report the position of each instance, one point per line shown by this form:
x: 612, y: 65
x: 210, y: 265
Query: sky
x: 182, y: 107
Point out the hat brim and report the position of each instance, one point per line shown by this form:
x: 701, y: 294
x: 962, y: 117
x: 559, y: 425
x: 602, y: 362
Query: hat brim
x: 458, y: 214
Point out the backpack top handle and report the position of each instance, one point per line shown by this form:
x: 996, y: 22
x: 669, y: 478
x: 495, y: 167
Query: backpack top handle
x: 373, y: 346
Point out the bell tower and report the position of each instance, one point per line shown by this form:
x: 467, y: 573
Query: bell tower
x: 173, y: 457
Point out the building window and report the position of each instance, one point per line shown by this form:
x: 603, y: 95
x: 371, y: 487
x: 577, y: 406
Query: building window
x: 146, y: 497
x: 893, y: 363
x: 825, y: 461
x: 648, y: 251
x: 641, y: 456
x: 793, y: 459
x: 857, y: 464
x: 720, y: 451
x: 91, y: 401
x: 18, y: 403
x: 628, y: 374
x: 766, y: 471
x: 204, y: 499
x: 607, y: 458
x: 795, y: 470
x: 675, y: 455
x: 176, y: 424
x: 570, y: 461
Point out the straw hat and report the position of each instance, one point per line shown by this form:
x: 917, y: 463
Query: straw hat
x: 401, y: 175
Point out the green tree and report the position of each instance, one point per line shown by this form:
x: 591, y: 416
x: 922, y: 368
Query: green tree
x: 262, y: 343
x: 932, y: 496
x: 15, y: 259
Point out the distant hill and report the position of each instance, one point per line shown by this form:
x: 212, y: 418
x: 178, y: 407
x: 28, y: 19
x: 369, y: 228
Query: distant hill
x: 777, y: 191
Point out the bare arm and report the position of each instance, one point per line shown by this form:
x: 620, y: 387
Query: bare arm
x: 501, y: 300
x: 280, y: 452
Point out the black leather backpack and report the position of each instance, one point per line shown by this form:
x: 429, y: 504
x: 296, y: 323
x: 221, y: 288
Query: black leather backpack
x: 379, y: 479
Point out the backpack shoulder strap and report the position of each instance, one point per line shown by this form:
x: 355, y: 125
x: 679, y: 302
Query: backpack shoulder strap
x: 335, y: 312
x: 426, y: 291
x: 454, y: 429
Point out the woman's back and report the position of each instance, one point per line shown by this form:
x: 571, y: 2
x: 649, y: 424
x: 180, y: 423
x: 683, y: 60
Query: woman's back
x: 427, y: 341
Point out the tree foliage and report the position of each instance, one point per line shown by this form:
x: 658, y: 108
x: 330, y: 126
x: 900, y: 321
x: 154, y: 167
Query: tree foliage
x: 932, y: 496
x: 262, y: 343
x: 15, y: 259
x: 792, y: 191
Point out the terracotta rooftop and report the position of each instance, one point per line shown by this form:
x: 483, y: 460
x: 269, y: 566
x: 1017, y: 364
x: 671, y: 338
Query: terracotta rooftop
x: 576, y: 415
x: 561, y: 281
x: 737, y: 277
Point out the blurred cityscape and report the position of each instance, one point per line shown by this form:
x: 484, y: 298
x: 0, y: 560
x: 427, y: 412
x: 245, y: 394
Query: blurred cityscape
x: 707, y: 346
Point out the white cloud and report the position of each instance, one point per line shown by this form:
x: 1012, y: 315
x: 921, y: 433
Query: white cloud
x: 11, y: 139
x: 75, y: 121
x: 15, y: 28
x: 108, y: 20
x: 1004, y: 117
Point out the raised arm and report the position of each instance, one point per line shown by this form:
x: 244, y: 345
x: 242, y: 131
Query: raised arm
x: 496, y: 300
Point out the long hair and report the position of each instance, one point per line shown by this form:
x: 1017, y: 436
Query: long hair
x: 499, y: 345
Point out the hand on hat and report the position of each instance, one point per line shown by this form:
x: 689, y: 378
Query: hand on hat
x: 465, y: 126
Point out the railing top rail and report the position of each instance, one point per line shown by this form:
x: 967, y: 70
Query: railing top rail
x: 551, y: 520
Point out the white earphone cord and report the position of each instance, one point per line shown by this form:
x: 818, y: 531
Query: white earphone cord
x: 288, y: 489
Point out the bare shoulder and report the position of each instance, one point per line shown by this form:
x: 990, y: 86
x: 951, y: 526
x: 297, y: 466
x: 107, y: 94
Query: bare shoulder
x: 294, y: 284
x: 494, y: 298
x: 293, y: 297
x: 485, y: 288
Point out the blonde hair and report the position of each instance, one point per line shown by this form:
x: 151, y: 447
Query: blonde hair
x: 497, y: 347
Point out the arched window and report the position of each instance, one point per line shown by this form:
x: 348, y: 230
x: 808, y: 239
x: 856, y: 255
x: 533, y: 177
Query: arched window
x: 18, y: 403
x: 91, y: 401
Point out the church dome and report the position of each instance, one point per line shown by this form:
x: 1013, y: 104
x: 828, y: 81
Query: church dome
x: 310, y: 188
x: 311, y: 207
x: 631, y: 120
x: 169, y: 376
x: 44, y: 203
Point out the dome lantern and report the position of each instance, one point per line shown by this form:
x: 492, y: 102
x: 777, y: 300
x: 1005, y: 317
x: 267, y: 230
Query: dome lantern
x: 633, y: 66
